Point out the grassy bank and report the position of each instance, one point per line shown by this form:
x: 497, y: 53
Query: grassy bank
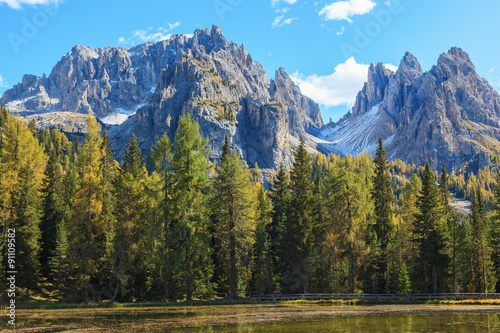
x: 360, y: 302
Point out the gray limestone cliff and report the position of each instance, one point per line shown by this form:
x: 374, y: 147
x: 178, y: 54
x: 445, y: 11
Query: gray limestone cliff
x: 144, y: 90
x: 447, y: 114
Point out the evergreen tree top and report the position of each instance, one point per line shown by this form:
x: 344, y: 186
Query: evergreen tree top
x: 133, y: 159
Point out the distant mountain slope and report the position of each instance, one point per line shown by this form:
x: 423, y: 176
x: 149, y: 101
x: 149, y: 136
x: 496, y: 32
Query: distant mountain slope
x: 448, y: 114
x: 144, y: 89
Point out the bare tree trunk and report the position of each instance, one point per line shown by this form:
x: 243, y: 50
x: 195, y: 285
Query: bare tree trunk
x: 233, y: 273
x: 485, y: 279
x: 188, y: 269
x: 434, y: 280
x: 166, y: 281
x: 117, y: 289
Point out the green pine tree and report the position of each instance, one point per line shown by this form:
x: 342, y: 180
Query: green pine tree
x: 27, y: 213
x: 429, y: 232
x: 280, y: 197
x: 54, y: 210
x: 456, y: 247
x: 161, y: 156
x: 127, y: 229
x: 382, y: 197
x: 190, y: 167
x: 233, y: 220
x: 444, y: 184
x: 133, y: 159
x: 483, y: 277
x: 495, y: 232
x: 60, y: 265
x: 297, y: 241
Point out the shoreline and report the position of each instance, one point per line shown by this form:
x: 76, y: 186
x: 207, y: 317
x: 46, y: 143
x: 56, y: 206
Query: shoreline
x: 204, y: 316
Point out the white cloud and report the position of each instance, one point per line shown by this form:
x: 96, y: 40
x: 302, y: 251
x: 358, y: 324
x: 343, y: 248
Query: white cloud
x: 274, y: 3
x: 172, y: 26
x: 337, y: 89
x: 391, y: 67
x: 492, y: 69
x: 341, y: 32
x: 344, y: 10
x: 17, y: 4
x: 149, y: 35
x: 282, y: 10
x: 3, y: 84
x: 387, y: 3
x: 279, y: 21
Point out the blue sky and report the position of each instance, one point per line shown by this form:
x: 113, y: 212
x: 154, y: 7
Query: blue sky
x: 325, y: 45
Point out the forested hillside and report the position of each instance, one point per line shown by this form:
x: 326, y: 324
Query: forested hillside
x: 90, y: 229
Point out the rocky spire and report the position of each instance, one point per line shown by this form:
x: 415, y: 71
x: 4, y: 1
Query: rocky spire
x: 374, y: 89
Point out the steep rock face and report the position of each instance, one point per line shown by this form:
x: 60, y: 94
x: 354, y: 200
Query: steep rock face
x: 455, y: 116
x: 448, y: 114
x: 145, y: 89
x: 302, y: 111
x: 374, y: 90
x: 227, y: 93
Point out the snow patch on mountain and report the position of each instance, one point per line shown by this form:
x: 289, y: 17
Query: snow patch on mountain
x: 350, y: 137
x: 115, y: 118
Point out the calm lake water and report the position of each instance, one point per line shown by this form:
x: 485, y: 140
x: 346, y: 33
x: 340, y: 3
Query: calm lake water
x: 265, y: 318
x: 382, y: 323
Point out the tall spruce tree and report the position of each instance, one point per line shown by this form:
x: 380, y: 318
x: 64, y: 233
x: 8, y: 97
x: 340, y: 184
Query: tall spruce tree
x: 495, y: 232
x: 54, y: 210
x: 27, y: 212
x: 233, y: 220
x: 297, y: 241
x: 456, y: 247
x: 280, y: 197
x: 429, y: 233
x: 127, y: 229
x: 444, y: 184
x: 161, y: 156
x: 59, y: 264
x: 483, y: 277
x: 382, y: 197
x: 190, y: 167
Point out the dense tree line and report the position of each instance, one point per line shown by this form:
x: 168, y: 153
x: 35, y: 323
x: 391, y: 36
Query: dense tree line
x: 91, y: 229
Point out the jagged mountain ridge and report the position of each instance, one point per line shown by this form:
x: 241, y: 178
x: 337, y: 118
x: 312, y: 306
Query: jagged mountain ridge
x: 143, y: 91
x: 447, y: 114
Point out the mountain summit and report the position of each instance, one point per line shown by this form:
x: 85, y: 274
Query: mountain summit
x: 448, y: 114
x: 144, y: 89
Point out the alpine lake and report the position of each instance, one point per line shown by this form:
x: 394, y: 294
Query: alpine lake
x: 262, y: 317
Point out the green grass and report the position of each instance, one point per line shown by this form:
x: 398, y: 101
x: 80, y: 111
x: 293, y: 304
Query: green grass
x: 340, y: 302
x: 55, y: 305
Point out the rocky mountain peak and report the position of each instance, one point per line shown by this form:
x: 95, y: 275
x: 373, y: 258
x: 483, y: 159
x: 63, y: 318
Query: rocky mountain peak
x: 374, y: 89
x: 303, y: 112
x: 410, y: 63
x: 455, y: 62
x: 143, y: 90
x: 209, y: 39
x: 448, y: 114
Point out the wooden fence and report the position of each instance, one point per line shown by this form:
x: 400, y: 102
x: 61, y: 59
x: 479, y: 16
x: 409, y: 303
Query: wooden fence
x: 347, y: 297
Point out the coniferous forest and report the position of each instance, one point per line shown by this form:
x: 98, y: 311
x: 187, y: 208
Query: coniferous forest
x: 170, y: 224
